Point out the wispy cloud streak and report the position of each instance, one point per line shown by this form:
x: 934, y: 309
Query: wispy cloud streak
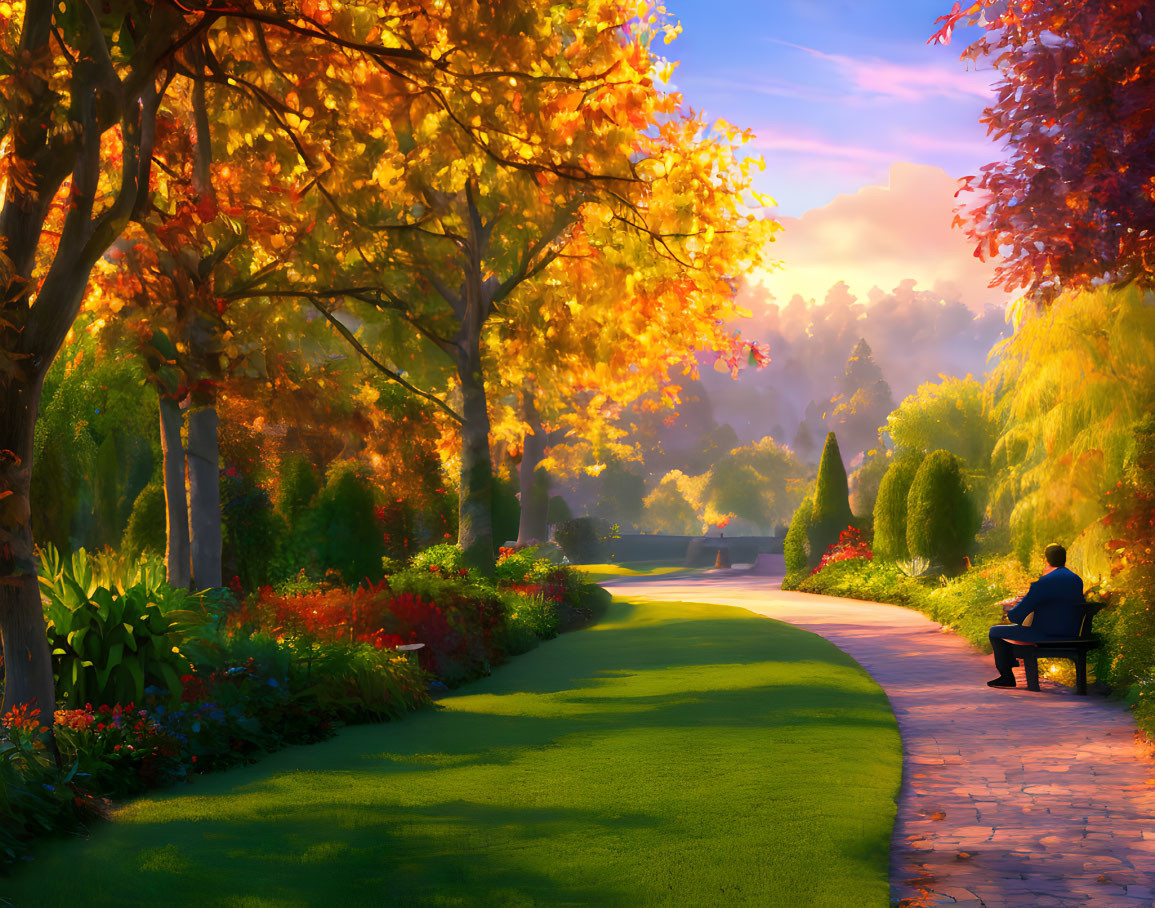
x: 903, y: 81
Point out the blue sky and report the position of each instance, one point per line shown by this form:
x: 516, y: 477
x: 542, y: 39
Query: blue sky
x: 836, y: 92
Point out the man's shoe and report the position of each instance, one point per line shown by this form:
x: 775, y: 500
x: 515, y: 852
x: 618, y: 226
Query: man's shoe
x: 1003, y: 681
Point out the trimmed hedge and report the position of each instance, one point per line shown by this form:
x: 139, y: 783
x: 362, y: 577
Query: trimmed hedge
x: 941, y: 520
x: 890, y: 509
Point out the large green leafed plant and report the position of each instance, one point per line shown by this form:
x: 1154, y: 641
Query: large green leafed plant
x: 110, y: 640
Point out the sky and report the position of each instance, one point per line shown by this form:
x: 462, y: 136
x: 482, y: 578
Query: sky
x: 835, y: 92
x: 864, y: 127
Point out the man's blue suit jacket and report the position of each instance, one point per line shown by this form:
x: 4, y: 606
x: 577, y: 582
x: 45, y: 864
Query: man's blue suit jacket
x: 1057, y: 601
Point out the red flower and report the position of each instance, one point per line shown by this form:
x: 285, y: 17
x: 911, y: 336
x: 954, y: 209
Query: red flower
x: 850, y: 545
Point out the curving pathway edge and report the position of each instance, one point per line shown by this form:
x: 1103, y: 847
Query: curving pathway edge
x: 1009, y: 798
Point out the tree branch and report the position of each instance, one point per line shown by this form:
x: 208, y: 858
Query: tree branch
x: 380, y: 366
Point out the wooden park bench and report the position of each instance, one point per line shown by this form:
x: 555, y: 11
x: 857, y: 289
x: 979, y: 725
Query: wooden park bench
x: 1073, y: 648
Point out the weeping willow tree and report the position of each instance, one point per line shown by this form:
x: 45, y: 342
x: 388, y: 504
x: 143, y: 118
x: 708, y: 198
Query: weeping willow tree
x: 1069, y: 389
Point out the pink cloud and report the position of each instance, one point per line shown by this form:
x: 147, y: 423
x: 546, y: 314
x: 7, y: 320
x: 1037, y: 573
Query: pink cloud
x: 906, y: 81
x: 879, y: 237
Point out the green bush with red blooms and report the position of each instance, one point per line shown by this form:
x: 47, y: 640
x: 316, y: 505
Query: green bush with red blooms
x: 465, y: 624
x: 37, y: 796
x: 850, y: 545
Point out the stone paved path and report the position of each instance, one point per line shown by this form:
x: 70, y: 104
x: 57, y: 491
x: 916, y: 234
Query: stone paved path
x: 1009, y: 798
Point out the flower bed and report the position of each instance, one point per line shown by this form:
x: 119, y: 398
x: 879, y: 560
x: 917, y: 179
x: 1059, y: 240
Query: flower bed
x: 280, y: 668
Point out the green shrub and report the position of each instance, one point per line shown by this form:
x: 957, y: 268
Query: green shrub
x: 519, y: 566
x: 297, y: 487
x: 147, y: 528
x: 582, y: 539
x: 36, y: 797
x: 108, y: 645
x: 252, y: 530
x: 864, y: 483
x: 831, y: 513
x: 447, y: 556
x: 360, y: 681
x: 796, y: 545
x: 506, y: 511
x: 890, y: 509
x: 558, y: 511
x: 941, y: 521
x: 530, y: 614
x: 342, y: 527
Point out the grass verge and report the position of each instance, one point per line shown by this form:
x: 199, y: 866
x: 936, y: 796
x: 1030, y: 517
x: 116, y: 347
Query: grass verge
x: 676, y: 754
x: 599, y: 572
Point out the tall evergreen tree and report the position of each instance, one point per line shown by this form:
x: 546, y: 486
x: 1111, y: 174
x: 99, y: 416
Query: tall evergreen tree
x: 831, y: 500
x: 862, y: 403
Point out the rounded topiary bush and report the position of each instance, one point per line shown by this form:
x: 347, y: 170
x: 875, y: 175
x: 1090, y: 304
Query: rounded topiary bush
x: 582, y: 539
x: 148, y: 523
x: 796, y: 545
x: 890, y: 509
x: 941, y: 520
x: 343, y: 527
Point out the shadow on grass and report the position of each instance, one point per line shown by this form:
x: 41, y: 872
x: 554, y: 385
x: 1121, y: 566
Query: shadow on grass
x: 454, y: 853
x: 678, y: 754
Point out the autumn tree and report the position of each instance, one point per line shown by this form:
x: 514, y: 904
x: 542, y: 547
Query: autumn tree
x: 626, y: 317
x: 950, y: 414
x: 1065, y: 398
x: 1073, y: 201
x: 469, y: 224
x: 670, y: 507
x: 78, y: 113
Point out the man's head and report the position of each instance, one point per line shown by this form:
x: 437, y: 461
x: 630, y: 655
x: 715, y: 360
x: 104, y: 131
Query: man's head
x: 1056, y: 555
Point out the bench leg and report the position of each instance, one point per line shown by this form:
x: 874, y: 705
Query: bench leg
x: 1081, y: 673
x: 1031, y: 664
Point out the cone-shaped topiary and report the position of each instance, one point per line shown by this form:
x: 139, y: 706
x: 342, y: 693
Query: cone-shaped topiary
x: 941, y: 520
x: 890, y: 509
x: 796, y: 545
x: 831, y: 501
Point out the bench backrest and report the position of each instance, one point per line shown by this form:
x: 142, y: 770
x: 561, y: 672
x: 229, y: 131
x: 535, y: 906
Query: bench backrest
x: 1090, y: 610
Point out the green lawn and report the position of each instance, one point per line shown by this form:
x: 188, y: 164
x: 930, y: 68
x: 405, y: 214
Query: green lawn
x: 599, y: 572
x: 675, y: 754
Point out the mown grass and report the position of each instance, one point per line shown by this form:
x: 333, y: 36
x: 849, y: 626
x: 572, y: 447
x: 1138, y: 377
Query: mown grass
x: 609, y: 570
x: 675, y: 754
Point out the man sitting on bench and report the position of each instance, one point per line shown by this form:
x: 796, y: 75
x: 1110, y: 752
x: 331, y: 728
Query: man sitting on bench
x: 1056, y: 602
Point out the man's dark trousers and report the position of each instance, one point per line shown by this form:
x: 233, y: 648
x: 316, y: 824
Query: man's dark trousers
x: 1000, y: 633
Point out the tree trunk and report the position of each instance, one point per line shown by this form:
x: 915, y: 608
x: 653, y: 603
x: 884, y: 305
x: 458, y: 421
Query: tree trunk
x: 204, y: 497
x: 475, y: 510
x: 534, y: 526
x: 27, y: 660
x: 176, y: 553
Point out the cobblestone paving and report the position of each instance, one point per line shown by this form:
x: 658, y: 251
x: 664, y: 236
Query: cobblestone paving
x: 1009, y: 798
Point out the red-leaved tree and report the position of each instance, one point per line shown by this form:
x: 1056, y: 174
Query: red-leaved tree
x: 1073, y: 201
